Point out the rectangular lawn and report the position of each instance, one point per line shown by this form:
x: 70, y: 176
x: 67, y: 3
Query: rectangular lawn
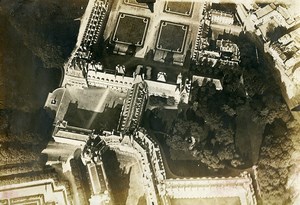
x: 180, y: 8
x: 172, y: 37
x: 130, y: 29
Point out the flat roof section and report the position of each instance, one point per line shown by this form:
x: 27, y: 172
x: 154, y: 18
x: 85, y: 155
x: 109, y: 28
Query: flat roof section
x: 36, y: 192
x: 97, y: 180
x: 263, y: 11
x: 172, y: 37
x: 207, y: 201
x: 184, y: 8
x: 59, y: 151
x: 130, y: 29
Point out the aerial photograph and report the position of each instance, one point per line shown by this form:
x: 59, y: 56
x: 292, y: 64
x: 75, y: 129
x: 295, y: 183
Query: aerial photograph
x: 149, y: 102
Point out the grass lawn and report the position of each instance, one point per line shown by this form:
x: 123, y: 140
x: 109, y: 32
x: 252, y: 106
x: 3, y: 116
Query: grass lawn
x: 184, y: 8
x: 172, y: 36
x: 131, y: 29
x: 182, y: 155
x: 249, y: 134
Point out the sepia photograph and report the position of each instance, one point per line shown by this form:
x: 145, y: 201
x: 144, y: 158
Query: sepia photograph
x: 149, y: 102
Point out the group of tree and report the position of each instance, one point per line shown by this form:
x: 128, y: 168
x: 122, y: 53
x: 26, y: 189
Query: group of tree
x: 213, y: 113
x: 18, y: 147
x: 270, y: 111
x: 293, y: 185
x: 209, y: 121
x: 8, y: 170
x: 17, y: 154
x: 275, y: 163
x: 47, y: 28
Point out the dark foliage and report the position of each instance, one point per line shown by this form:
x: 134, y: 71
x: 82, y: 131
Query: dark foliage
x: 274, y: 33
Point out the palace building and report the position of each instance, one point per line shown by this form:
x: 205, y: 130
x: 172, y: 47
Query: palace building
x: 99, y: 107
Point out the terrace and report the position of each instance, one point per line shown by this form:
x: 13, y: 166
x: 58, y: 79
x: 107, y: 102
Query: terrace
x: 110, y: 60
x: 135, y: 3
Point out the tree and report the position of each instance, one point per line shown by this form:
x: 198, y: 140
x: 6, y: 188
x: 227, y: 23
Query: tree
x: 224, y: 136
x: 177, y: 143
x: 254, y: 83
x: 226, y: 152
x: 188, y: 129
x: 228, y: 110
x: 170, y: 101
